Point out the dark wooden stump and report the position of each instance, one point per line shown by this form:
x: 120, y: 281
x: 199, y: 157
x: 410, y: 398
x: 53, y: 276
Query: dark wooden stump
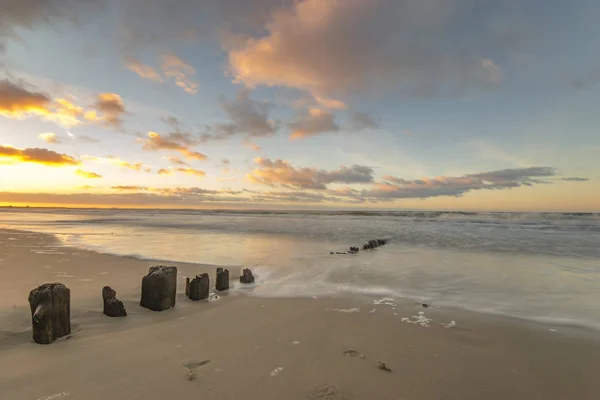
x: 247, y: 276
x: 113, y: 307
x: 197, y: 288
x: 373, y: 244
x: 159, y: 288
x: 50, y: 312
x: 222, y: 279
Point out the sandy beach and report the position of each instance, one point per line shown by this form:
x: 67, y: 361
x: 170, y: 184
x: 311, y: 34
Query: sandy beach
x: 245, y: 347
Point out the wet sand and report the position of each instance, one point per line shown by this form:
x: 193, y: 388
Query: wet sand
x: 244, y: 347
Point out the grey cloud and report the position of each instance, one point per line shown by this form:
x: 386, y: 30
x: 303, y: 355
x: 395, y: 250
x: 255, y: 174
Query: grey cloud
x: 282, y: 173
x: 87, y: 139
x: 247, y: 117
x: 398, y: 188
x: 152, y: 23
x: 360, y: 121
x: 29, y: 14
x: 313, y: 121
x: 574, y: 179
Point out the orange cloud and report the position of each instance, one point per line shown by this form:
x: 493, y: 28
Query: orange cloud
x: 129, y: 188
x: 336, y: 47
x: 88, y: 175
x: 176, y: 160
x: 330, y: 103
x: 251, y: 145
x: 139, y: 166
x: 35, y: 155
x: 17, y: 102
x: 180, y: 142
x: 180, y: 71
x: 50, y: 137
x: 188, y: 171
x: 143, y: 71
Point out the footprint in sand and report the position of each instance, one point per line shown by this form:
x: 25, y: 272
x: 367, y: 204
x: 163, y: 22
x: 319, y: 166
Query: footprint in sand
x: 328, y: 392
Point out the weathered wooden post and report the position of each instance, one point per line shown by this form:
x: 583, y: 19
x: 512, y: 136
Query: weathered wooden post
x: 159, y: 288
x: 197, y: 288
x: 222, y: 279
x: 247, y: 276
x: 113, y: 307
x: 50, y: 312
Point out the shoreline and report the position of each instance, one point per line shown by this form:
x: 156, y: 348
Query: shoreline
x: 269, y: 348
x: 363, y: 299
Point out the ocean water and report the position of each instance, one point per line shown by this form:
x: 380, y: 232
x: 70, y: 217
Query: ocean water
x: 535, y: 266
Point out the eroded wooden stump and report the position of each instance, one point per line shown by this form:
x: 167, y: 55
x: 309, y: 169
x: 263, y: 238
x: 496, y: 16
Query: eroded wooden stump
x: 197, y: 288
x: 113, y: 307
x: 222, y: 279
x: 159, y: 288
x: 247, y: 276
x: 50, y: 312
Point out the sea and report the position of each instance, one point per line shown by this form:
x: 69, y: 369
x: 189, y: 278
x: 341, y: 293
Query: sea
x: 537, y: 266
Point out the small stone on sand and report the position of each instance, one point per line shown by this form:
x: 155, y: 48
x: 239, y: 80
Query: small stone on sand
x: 383, y: 367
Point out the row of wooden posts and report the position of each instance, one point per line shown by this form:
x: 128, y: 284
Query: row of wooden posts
x: 51, y: 303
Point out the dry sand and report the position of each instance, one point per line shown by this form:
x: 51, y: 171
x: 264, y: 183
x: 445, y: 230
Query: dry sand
x: 244, y: 347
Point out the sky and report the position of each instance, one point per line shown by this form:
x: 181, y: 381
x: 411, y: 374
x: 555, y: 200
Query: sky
x: 367, y: 104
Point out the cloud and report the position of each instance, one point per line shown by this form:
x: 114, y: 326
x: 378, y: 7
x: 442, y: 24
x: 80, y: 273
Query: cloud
x: 251, y: 145
x: 398, y: 188
x: 313, y: 122
x: 176, y: 160
x: 176, y: 141
x: 50, y: 137
x: 16, y: 101
x: 111, y: 108
x: 29, y: 14
x: 360, y: 121
x: 340, y: 47
x: 88, y: 175
x: 138, y: 166
x: 87, y: 139
x: 143, y: 71
x: 180, y: 71
x: 182, y: 170
x: 282, y: 173
x: 247, y: 117
x: 150, y: 197
x: 35, y: 155
x: 128, y: 188
x: 574, y: 179
x: 155, y: 24
x: 330, y: 103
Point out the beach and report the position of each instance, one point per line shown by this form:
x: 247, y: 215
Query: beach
x: 241, y: 346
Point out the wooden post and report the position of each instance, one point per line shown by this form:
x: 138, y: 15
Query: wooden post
x: 50, y: 306
x: 159, y: 288
x: 197, y: 288
x: 222, y: 279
